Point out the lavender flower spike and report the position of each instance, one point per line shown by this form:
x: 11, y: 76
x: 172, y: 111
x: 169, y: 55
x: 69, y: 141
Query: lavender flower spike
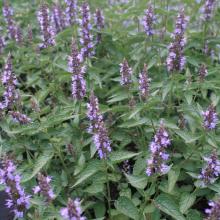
x: 210, y: 118
x: 78, y: 71
x: 176, y: 60
x: 156, y: 163
x: 71, y: 12
x: 212, y: 169
x: 214, y: 210
x: 148, y: 20
x: 19, y: 117
x: 208, y: 9
x: 202, y: 72
x: 18, y: 200
x: 72, y: 211
x: 44, y: 187
x: 99, y: 24
x: 46, y: 27
x: 144, y: 83
x: 85, y: 32
x: 126, y: 73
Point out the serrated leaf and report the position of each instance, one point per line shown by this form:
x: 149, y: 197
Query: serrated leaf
x: 119, y: 156
x: 127, y: 207
x: 139, y: 182
x: 167, y: 204
x: 172, y: 178
x: 187, y: 137
x: 186, y: 201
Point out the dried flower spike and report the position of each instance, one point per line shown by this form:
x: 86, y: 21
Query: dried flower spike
x: 126, y: 73
x: 99, y: 24
x: 202, y: 72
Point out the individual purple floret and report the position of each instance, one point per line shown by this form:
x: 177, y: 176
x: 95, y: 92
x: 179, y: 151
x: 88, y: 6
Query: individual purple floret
x: 208, y: 9
x: 202, y: 72
x: 99, y: 24
x: 19, y: 117
x: 86, y: 38
x: 18, y: 200
x: 78, y: 71
x: 101, y: 140
x: 44, y: 187
x: 9, y: 20
x: 45, y: 26
x: 93, y: 113
x: 210, y: 118
x: 58, y: 19
x: 156, y: 163
x: 176, y: 59
x: 126, y: 73
x: 212, y: 169
x: 144, y: 83
x: 73, y: 211
x: 71, y: 12
x: 2, y: 44
x: 9, y: 81
x: 214, y: 210
x: 148, y: 21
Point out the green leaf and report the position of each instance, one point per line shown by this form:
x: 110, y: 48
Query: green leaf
x: 127, y: 207
x: 186, y: 201
x: 172, y: 178
x: 119, y: 156
x: 167, y: 204
x: 139, y: 182
x: 186, y: 136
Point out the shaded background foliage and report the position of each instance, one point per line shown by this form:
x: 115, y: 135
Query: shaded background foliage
x: 61, y: 122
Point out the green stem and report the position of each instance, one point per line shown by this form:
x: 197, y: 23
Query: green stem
x: 108, y: 190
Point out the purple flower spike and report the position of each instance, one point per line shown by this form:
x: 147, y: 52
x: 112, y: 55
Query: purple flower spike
x: 46, y: 27
x: 78, y: 71
x: 211, y: 171
x: 44, y: 187
x: 148, y: 21
x: 99, y: 24
x: 18, y: 35
x: 18, y: 200
x: 156, y: 163
x: 214, y: 210
x: 176, y: 60
x: 20, y: 118
x: 210, y: 118
x: 208, y: 9
x: 72, y: 211
x: 86, y: 39
x: 126, y: 73
x: 144, y: 83
x: 71, y: 12
x: 202, y: 72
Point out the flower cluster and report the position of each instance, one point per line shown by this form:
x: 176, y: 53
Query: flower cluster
x: 144, y: 83
x: 97, y: 127
x: 99, y: 24
x: 214, y: 210
x: 176, y: 60
x: 156, y: 163
x: 19, y: 117
x: 202, y: 72
x: 210, y: 118
x: 72, y: 211
x: 18, y: 200
x: 148, y: 20
x: 85, y: 32
x: 58, y: 18
x: 126, y: 73
x: 71, y: 11
x: 212, y: 169
x: 46, y: 27
x: 78, y: 71
x: 208, y: 9
x: 44, y: 187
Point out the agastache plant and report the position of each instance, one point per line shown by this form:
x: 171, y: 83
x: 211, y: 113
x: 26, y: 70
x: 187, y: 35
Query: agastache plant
x: 148, y: 21
x: 71, y: 12
x: 46, y: 27
x: 211, y: 171
x: 210, y: 118
x: 8, y: 14
x: 202, y: 72
x: 176, y: 59
x: 214, y: 210
x: 126, y: 73
x: 99, y: 24
x: 156, y: 164
x: 44, y: 187
x: 73, y: 211
x: 78, y: 71
x: 144, y: 83
x: 208, y: 9
x: 18, y: 200
x: 86, y: 38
